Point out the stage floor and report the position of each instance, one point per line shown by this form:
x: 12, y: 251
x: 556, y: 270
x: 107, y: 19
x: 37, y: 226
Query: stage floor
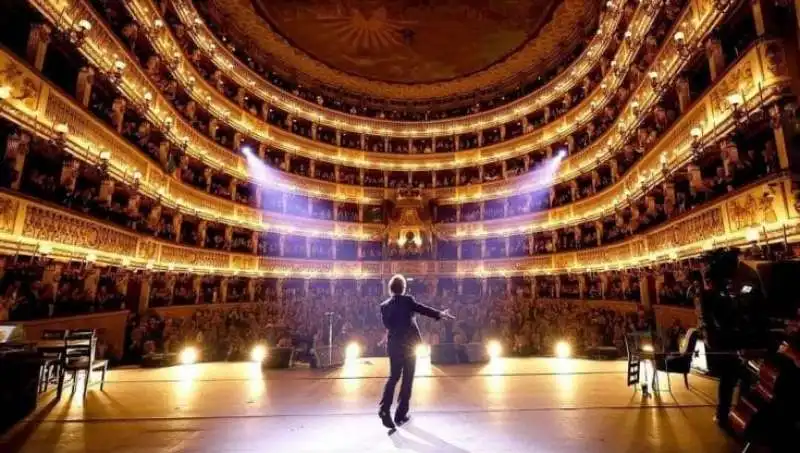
x: 509, y: 405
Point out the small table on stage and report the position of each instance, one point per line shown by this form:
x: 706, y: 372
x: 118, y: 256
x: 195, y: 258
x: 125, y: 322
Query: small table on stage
x: 57, y: 348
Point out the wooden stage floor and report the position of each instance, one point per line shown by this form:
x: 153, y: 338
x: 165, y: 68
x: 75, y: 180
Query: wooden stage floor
x: 509, y: 405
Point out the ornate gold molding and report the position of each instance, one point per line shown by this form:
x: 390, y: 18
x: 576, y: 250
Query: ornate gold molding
x: 238, y: 71
x: 71, y: 236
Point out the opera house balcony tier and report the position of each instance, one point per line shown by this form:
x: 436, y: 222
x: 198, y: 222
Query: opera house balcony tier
x: 756, y: 88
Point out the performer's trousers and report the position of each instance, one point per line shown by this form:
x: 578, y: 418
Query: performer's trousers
x: 401, y: 366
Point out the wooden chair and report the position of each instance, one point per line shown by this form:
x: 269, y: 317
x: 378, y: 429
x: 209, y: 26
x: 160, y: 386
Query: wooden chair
x: 52, y: 357
x: 80, y: 356
x: 681, y: 361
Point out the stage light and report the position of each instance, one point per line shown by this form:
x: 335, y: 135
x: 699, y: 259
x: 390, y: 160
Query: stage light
x: 258, y: 353
x: 647, y: 348
x: 189, y: 355
x: 563, y: 350
x: 352, y: 351
x: 422, y: 350
x: 562, y: 154
x: 494, y: 349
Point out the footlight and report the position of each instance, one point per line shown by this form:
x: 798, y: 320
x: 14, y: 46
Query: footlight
x: 352, y: 351
x: 494, y: 349
x: 422, y: 350
x: 563, y: 350
x: 189, y: 355
x: 258, y: 353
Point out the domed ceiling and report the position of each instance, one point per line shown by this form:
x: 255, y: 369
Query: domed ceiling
x: 409, y: 48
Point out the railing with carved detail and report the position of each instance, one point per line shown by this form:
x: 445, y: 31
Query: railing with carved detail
x: 767, y: 208
x: 261, y: 88
x: 759, y: 76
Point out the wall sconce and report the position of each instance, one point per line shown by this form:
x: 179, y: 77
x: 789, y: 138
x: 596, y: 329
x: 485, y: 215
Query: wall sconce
x: 105, y: 157
x: 697, y: 146
x: 635, y: 108
x: 604, y: 88
x: 207, y: 100
x: 158, y: 24
x: 117, y: 70
x: 736, y: 100
x: 190, y: 83
x: 148, y: 99
x: 61, y: 130
x: 594, y: 106
x: 137, y: 179
x: 77, y: 36
x: 5, y: 93
x: 184, y: 143
x: 653, y: 76
x: 680, y: 44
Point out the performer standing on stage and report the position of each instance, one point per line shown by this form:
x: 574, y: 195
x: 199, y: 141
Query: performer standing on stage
x: 398, y: 315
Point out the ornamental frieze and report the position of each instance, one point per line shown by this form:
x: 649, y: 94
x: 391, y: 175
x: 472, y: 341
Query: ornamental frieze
x: 148, y: 250
x: 24, y: 87
x: 52, y: 226
x: 8, y: 214
x: 756, y: 208
x: 371, y: 268
x: 564, y: 260
x: 706, y: 225
x: 193, y: 257
x: 241, y: 262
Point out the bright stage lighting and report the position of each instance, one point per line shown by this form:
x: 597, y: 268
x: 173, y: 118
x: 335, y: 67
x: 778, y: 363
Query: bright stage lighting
x: 422, y: 350
x: 647, y: 348
x: 563, y: 350
x: 189, y: 355
x: 494, y: 349
x: 258, y: 353
x: 352, y: 351
x: 562, y: 154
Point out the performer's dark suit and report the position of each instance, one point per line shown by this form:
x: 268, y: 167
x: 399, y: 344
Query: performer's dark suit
x: 398, y: 315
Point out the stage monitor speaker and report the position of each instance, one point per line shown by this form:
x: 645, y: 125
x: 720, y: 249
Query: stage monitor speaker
x: 476, y: 353
x: 444, y: 354
x: 159, y: 360
x: 278, y: 358
x: 323, y: 359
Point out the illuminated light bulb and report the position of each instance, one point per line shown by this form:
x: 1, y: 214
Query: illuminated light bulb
x: 494, y: 349
x: 563, y: 350
x: 258, y: 353
x: 352, y: 352
x: 735, y: 100
x: 189, y: 355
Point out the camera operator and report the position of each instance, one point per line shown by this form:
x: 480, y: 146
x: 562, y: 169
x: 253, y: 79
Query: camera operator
x: 731, y: 321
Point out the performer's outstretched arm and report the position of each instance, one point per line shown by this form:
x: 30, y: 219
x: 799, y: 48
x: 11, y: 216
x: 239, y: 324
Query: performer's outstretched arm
x: 429, y: 311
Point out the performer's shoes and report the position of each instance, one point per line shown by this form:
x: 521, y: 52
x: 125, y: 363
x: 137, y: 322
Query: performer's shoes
x: 400, y: 421
x: 386, y: 419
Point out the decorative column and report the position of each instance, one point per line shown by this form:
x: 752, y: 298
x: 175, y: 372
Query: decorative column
x: 223, y: 291
x: 202, y: 230
x: 38, y: 41
x: 716, y: 58
x: 171, y: 288
x: 17, y: 147
x: 228, y: 237
x: 784, y: 133
x: 177, y: 220
x: 254, y: 242
x: 197, y: 287
x: 118, y: 108
x: 460, y: 286
x: 145, y: 286
x: 83, y: 86
x: 582, y: 286
x: 232, y: 188
x: 684, y: 94
x: 281, y: 244
x: 251, y: 290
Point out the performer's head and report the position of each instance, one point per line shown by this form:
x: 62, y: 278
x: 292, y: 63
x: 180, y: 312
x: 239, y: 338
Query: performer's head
x: 397, y: 285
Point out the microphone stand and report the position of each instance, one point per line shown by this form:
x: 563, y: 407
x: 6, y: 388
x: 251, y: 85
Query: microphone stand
x: 330, y: 338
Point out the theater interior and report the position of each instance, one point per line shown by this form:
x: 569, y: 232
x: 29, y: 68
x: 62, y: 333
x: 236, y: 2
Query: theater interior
x: 202, y: 203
